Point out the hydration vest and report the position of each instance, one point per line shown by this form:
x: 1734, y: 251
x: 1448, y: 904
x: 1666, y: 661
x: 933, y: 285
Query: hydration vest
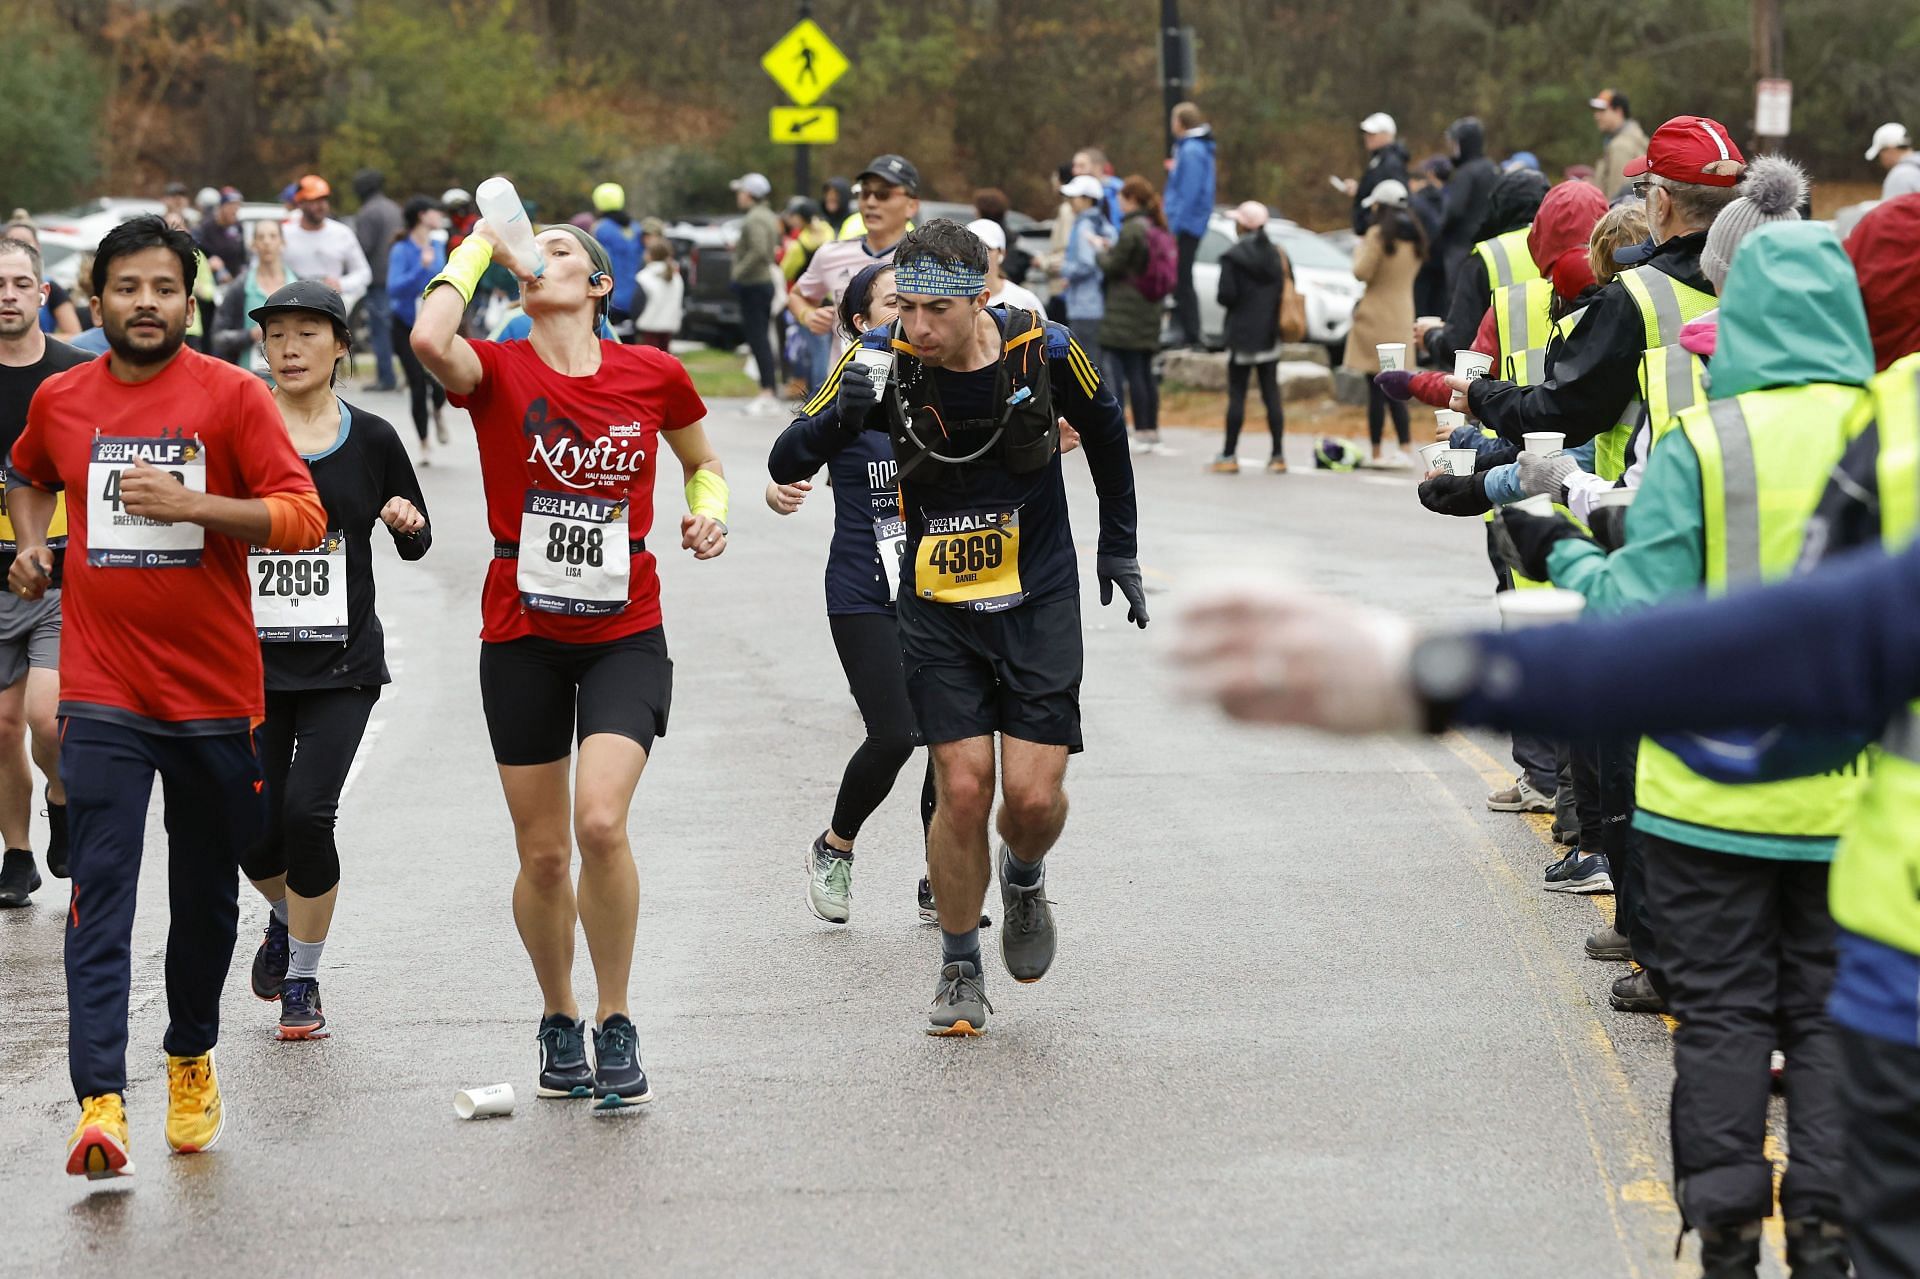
x: 1022, y: 436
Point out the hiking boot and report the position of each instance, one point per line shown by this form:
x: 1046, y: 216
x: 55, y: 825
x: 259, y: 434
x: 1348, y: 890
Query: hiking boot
x: 1817, y: 1249
x: 1730, y: 1253
x: 1521, y: 797
x: 1607, y: 943
x: 1635, y: 993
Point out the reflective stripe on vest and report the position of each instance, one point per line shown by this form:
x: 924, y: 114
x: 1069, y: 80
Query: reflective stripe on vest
x: 1665, y: 305
x: 1508, y: 259
x: 1875, y: 883
x: 1764, y: 461
x: 1523, y: 319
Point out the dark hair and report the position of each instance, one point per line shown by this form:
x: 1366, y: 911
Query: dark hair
x: 1397, y: 224
x: 149, y: 231
x: 1064, y: 173
x: 415, y: 209
x: 14, y: 244
x: 858, y: 296
x: 943, y: 240
x: 1619, y: 103
x: 1144, y: 198
x: 991, y: 203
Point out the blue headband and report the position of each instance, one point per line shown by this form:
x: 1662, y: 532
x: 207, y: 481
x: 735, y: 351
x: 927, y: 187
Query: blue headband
x: 936, y: 278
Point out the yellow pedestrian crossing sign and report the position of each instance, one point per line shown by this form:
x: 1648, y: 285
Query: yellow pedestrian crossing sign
x: 804, y: 63
x: 805, y: 126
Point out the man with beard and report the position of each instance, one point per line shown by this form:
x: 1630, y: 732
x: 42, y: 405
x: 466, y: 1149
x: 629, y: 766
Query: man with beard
x: 183, y: 463
x: 29, y: 632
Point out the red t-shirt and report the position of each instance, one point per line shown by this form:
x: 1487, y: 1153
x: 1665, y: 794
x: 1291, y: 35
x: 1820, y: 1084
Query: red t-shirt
x: 582, y: 437
x: 163, y: 644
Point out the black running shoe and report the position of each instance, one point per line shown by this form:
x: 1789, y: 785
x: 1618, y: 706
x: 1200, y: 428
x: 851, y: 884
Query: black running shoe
x: 618, y: 1080
x: 930, y: 914
x: 18, y: 877
x: 300, y: 1015
x: 563, y: 1058
x: 56, y: 839
x: 270, y: 961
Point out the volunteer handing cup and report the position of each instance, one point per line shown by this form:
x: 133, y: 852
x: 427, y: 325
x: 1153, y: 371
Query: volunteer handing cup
x: 1538, y: 504
x: 1471, y: 364
x: 1613, y: 497
x: 1542, y: 607
x: 1543, y: 443
x: 1393, y: 355
x: 1460, y: 461
x: 494, y: 1100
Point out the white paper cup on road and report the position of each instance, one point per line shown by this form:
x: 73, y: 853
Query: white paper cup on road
x: 1430, y: 459
x: 1542, y: 607
x: 1613, y: 497
x: 1543, y: 443
x: 878, y: 365
x: 1538, y: 504
x: 491, y: 1102
x: 1471, y: 364
x: 1460, y: 461
x: 1393, y: 355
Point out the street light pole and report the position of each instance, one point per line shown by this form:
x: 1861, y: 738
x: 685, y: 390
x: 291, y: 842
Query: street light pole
x: 1769, y: 54
x: 1174, y: 88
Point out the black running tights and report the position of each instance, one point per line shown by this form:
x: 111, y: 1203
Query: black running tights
x: 869, y: 648
x: 307, y: 745
x: 1378, y: 406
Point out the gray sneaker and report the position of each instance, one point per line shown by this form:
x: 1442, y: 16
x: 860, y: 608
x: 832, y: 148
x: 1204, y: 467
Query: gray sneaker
x: 829, y: 882
x: 1026, y: 926
x: 1521, y: 797
x: 960, y: 1004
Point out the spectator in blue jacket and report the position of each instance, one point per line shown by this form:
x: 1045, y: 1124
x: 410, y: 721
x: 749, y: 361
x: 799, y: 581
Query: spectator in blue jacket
x: 615, y: 230
x: 1091, y: 233
x: 1189, y: 203
x: 416, y: 257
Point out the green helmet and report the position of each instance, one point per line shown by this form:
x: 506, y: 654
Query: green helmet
x: 609, y: 196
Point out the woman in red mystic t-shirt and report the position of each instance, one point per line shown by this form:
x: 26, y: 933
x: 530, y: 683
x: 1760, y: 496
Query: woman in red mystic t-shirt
x: 569, y: 427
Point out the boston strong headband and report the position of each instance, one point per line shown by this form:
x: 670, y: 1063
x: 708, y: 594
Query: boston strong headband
x: 938, y: 278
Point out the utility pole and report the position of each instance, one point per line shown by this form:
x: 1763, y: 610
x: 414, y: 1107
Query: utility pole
x: 1174, y: 88
x: 803, y: 156
x: 1769, y: 59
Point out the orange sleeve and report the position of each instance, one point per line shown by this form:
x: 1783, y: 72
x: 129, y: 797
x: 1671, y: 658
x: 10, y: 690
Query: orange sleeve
x: 296, y: 521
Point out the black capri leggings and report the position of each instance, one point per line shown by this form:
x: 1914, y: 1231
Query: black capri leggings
x: 869, y: 648
x: 420, y: 383
x: 307, y: 744
x: 1133, y: 380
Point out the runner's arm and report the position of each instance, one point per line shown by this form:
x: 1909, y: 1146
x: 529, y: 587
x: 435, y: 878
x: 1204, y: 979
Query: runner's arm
x: 812, y: 440
x: 1090, y: 408
x: 403, y: 484
x: 281, y: 511
x: 703, y: 529
x: 436, y: 328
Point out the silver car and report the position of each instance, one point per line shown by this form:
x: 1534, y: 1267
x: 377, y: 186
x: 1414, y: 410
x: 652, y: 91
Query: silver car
x: 1323, y: 275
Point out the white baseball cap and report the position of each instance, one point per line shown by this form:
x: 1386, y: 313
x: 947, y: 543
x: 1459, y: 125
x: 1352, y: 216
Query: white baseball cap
x: 1379, y: 122
x: 1888, y: 135
x: 1084, y: 186
x: 991, y: 234
x: 1390, y: 193
x: 754, y: 184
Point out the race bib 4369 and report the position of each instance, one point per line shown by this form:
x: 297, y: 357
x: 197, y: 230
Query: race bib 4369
x: 970, y: 559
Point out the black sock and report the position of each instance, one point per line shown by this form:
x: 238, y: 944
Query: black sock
x: 961, y: 948
x: 821, y: 845
x: 1021, y: 874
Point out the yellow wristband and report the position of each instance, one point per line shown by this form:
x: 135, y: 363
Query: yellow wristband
x: 464, y: 268
x: 707, y: 495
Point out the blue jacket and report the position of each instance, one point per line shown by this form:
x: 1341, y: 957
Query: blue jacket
x: 1086, y: 299
x: 623, y: 250
x: 1189, y: 198
x: 407, y: 278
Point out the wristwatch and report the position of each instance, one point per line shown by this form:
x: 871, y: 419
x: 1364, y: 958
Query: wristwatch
x: 1445, y: 669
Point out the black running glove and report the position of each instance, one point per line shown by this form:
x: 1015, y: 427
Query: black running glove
x: 1524, y: 540
x: 1124, y: 571
x: 856, y: 399
x: 1456, y: 494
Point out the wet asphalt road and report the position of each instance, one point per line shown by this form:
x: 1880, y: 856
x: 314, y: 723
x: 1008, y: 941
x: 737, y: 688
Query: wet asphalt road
x: 1312, y: 1013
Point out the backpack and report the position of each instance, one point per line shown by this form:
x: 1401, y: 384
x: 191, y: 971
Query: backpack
x: 1163, y: 265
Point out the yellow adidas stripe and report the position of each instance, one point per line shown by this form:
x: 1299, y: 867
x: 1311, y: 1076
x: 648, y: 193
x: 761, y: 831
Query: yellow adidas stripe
x: 830, y: 389
x: 1083, y: 368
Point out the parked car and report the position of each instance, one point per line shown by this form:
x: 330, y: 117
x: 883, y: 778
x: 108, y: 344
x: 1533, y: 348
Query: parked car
x: 704, y: 250
x: 90, y: 221
x: 1323, y: 275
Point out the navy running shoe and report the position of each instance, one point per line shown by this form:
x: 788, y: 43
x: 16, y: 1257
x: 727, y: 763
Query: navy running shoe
x: 300, y: 1015
x: 1579, y: 872
x: 270, y: 961
x: 618, y: 1080
x: 563, y: 1057
x: 930, y: 913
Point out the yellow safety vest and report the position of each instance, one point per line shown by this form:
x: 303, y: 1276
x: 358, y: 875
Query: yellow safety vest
x: 1507, y: 258
x: 1665, y: 305
x: 1875, y: 883
x: 1764, y: 461
x: 1523, y: 319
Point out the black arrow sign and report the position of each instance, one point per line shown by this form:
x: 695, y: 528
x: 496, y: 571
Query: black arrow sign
x: 800, y: 126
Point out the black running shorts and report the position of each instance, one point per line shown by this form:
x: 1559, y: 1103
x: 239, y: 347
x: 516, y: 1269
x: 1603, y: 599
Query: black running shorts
x: 1017, y: 672
x: 542, y: 695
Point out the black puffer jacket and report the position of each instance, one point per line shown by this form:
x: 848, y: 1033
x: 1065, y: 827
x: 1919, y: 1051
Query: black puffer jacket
x: 1388, y: 163
x: 1468, y: 192
x: 1251, y: 273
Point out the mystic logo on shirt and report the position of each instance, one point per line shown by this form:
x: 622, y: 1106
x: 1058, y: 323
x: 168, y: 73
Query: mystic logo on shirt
x: 573, y: 457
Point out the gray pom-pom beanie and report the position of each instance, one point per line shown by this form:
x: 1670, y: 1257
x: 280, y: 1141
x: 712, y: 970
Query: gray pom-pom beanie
x: 1772, y: 190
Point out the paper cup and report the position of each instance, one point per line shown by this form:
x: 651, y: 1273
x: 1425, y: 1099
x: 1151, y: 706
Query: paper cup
x: 1542, y: 607
x: 1538, y: 504
x: 1613, y: 497
x: 1393, y: 355
x: 1543, y: 443
x: 878, y: 365
x: 1431, y: 321
x: 492, y: 1101
x: 1460, y: 461
x: 1449, y: 419
x: 1471, y: 364
x: 1430, y: 459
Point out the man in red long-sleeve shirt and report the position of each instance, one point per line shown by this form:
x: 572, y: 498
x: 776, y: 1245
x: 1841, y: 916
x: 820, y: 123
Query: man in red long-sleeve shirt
x: 174, y: 465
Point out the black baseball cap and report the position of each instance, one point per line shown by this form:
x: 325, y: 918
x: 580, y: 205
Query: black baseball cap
x: 303, y: 295
x: 894, y: 169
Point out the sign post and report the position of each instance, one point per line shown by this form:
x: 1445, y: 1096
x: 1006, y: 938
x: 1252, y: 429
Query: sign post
x: 805, y: 64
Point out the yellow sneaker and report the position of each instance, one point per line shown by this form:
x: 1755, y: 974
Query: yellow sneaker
x: 194, y: 1114
x: 98, y: 1147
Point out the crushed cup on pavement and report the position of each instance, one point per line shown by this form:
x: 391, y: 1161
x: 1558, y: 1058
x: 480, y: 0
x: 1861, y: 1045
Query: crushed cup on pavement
x: 491, y: 1102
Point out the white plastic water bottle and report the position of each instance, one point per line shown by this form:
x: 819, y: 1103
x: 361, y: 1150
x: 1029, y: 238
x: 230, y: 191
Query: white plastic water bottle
x: 500, y: 205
